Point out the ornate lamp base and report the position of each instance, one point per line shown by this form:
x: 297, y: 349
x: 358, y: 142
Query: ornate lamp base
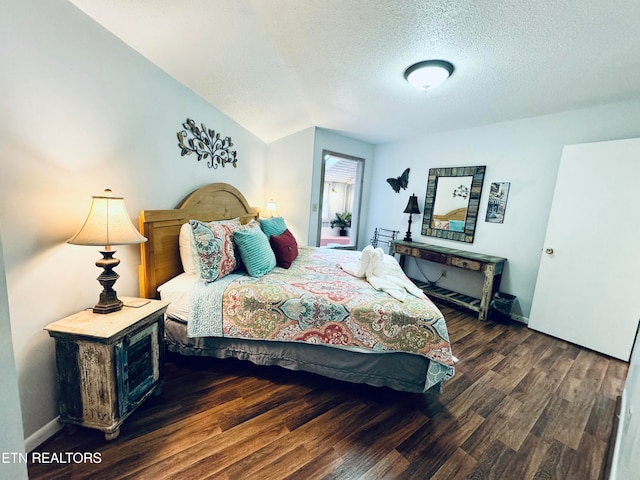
x: 109, y: 301
x: 407, y: 237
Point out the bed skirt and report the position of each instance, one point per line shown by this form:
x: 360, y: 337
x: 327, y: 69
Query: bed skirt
x: 399, y: 371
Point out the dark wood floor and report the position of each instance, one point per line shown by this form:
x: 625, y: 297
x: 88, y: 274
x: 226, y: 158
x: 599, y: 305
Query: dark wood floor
x: 521, y: 406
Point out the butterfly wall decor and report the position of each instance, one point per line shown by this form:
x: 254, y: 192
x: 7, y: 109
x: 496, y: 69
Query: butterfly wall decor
x: 401, y: 182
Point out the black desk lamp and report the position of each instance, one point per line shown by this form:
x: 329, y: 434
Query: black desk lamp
x: 412, y: 207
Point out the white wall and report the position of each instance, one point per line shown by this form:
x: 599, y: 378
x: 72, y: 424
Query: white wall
x: 288, y: 180
x: 334, y: 142
x: 524, y: 152
x: 81, y: 111
x: 11, y: 433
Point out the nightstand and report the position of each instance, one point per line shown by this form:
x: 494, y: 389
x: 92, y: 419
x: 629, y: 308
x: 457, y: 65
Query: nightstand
x: 108, y: 364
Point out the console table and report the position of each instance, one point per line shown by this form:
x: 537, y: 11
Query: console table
x: 489, y: 265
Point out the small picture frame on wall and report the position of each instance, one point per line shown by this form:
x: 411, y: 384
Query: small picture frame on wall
x: 497, y: 205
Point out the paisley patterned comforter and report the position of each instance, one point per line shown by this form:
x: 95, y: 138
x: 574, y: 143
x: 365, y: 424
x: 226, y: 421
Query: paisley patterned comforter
x: 314, y: 301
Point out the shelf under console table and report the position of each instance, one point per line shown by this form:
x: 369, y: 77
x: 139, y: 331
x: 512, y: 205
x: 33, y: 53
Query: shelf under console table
x: 489, y: 265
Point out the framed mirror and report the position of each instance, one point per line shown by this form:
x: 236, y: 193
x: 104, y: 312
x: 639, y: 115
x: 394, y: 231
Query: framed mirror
x: 452, y: 202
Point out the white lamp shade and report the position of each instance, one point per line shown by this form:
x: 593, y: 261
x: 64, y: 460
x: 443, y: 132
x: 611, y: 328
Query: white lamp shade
x: 428, y: 74
x: 107, y: 224
x: 271, y: 209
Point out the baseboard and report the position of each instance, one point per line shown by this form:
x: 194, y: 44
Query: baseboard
x: 611, y: 467
x: 520, y: 318
x: 41, y: 435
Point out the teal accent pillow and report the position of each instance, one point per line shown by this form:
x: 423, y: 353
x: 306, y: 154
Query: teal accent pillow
x: 255, y: 251
x: 273, y: 226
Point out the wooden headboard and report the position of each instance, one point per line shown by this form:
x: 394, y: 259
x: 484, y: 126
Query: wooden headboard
x: 160, y: 254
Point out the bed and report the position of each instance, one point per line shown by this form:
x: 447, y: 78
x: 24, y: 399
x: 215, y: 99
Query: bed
x: 313, y: 316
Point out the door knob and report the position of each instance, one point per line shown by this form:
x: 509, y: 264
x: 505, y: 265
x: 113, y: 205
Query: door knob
x: 549, y: 251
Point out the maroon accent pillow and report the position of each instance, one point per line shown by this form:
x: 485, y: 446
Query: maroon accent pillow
x: 285, y: 247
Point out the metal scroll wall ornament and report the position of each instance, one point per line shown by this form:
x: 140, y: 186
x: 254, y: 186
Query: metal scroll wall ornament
x: 206, y: 144
x: 462, y: 191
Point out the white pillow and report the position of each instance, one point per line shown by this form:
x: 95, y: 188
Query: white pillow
x: 186, y: 251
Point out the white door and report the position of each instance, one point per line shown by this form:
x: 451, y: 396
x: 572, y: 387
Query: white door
x: 588, y: 286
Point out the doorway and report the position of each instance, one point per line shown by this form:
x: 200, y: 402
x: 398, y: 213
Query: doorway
x: 340, y: 198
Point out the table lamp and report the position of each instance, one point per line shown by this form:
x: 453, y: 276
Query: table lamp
x: 271, y: 209
x: 106, y: 225
x: 412, y: 207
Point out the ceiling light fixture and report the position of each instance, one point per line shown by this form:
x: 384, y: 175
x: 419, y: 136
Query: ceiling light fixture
x: 428, y: 74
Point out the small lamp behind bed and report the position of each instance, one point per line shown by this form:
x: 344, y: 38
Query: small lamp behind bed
x: 271, y: 210
x: 411, y: 208
x: 107, y: 224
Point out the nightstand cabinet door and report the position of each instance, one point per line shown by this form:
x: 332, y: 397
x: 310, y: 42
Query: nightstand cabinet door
x: 85, y: 373
x: 137, y: 366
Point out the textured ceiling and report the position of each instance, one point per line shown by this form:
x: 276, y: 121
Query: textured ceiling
x: 279, y: 66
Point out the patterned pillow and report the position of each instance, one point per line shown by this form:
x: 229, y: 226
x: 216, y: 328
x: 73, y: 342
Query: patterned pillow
x: 255, y: 251
x: 285, y: 248
x: 214, y: 252
x: 272, y: 226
